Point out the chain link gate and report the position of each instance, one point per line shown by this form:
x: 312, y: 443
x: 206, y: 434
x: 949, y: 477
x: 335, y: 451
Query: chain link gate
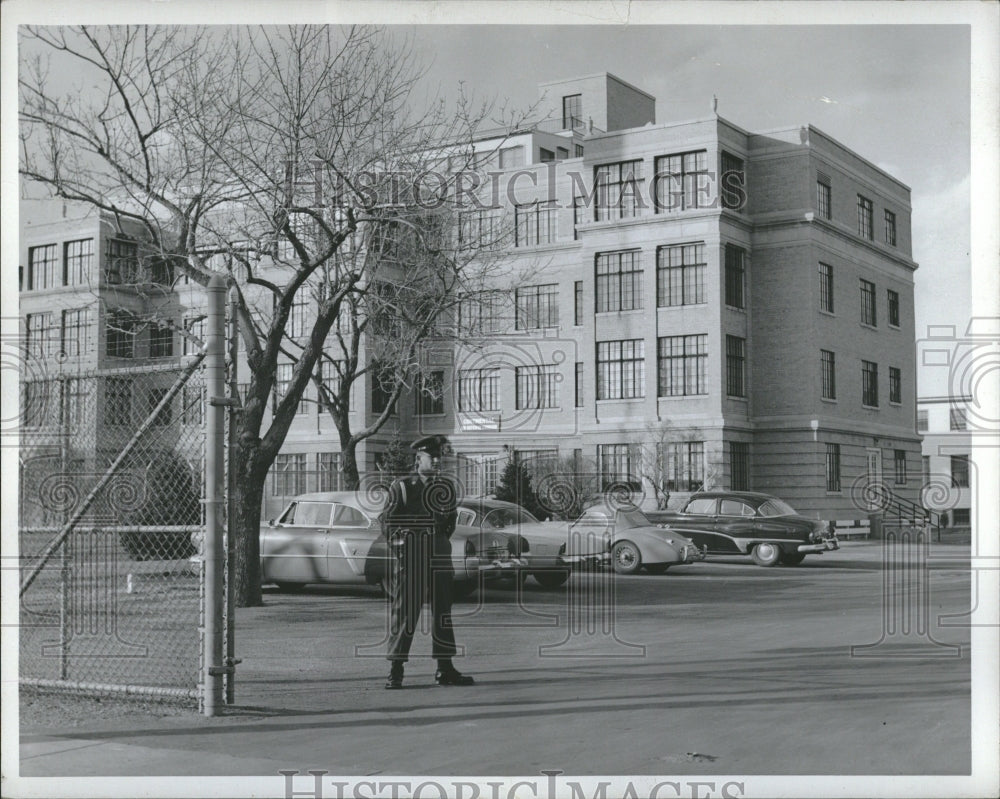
x: 112, y: 533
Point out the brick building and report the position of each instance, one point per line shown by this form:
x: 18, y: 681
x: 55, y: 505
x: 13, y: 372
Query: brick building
x: 689, y: 304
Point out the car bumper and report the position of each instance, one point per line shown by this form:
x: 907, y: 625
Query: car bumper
x: 502, y: 567
x: 827, y: 545
x: 692, y: 554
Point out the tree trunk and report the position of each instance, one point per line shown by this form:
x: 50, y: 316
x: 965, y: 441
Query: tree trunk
x: 245, y: 531
x: 349, y: 461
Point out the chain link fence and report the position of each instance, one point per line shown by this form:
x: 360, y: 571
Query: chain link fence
x: 111, y: 492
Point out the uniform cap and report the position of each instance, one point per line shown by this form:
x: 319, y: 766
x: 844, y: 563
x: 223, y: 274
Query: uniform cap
x: 435, y: 446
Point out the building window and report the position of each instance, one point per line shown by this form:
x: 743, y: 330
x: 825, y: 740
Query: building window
x: 680, y: 275
x: 869, y: 384
x: 621, y: 369
x: 736, y: 366
x: 39, y: 334
x: 193, y: 405
x: 893, y: 303
x: 122, y: 262
x: 534, y: 224
x: 479, y: 390
x: 826, y: 288
x: 922, y: 421
x: 833, y: 467
x: 430, y: 393
x: 120, y: 335
x: 43, y: 267
x: 733, y: 184
x: 282, y: 382
x: 864, y: 218
x: 735, y: 275
x: 899, y: 464
x: 681, y: 365
x: 739, y: 465
x: 925, y: 468
x: 578, y: 151
x: 536, y: 387
x: 578, y: 303
x: 511, y: 157
x: 578, y: 385
x: 161, y: 342
x: 868, y: 315
x: 617, y: 187
x: 579, y: 209
x: 890, y: 228
x: 828, y: 367
x: 545, y: 155
x: 329, y: 474
x: 537, y: 307
x: 572, y: 108
x: 39, y: 403
x: 823, y: 197
x: 957, y: 419
x: 960, y: 471
x: 895, y: 384
x: 289, y: 475
x: 153, y: 399
x: 330, y: 373
x: 295, y: 327
x: 684, y: 465
x: 682, y: 182
x: 482, y: 313
x: 74, y: 414
x: 619, y: 281
x: 79, y: 262
x: 616, y: 466
x: 196, y: 330
x: 478, y: 229
x: 74, y: 332
x: 383, y: 386
x: 118, y: 401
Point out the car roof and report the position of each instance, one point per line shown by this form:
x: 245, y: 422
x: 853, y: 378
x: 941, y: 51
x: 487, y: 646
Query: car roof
x: 350, y: 498
x: 487, y: 503
x: 752, y: 496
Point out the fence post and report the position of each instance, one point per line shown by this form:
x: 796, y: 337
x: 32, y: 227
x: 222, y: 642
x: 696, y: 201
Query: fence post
x: 234, y: 395
x: 215, y: 376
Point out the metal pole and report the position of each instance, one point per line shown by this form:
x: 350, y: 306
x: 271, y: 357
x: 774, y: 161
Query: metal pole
x: 215, y: 386
x: 234, y: 396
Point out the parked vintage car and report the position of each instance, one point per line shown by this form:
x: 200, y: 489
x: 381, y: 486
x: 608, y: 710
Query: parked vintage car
x: 539, y: 547
x: 629, y: 539
x: 748, y: 523
x: 332, y: 537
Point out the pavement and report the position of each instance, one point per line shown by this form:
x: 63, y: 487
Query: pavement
x: 720, y: 668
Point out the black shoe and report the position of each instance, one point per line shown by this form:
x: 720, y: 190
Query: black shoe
x: 452, y: 677
x: 395, y: 678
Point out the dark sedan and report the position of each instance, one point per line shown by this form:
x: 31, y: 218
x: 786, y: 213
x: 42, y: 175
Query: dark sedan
x: 748, y: 523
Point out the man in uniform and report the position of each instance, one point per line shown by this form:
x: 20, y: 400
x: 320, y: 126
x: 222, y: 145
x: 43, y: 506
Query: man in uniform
x: 419, y: 520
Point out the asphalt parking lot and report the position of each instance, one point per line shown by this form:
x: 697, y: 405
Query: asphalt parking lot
x: 721, y: 667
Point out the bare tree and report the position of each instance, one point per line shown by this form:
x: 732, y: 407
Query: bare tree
x: 661, y: 458
x: 272, y: 156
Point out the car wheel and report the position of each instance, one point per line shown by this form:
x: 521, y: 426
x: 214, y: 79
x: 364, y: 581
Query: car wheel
x: 290, y: 588
x: 766, y: 554
x: 552, y: 578
x: 792, y: 558
x: 657, y: 568
x: 626, y: 558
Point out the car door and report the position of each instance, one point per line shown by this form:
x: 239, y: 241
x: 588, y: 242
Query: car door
x: 736, y: 520
x: 351, y: 551
x: 294, y: 547
x: 699, y: 522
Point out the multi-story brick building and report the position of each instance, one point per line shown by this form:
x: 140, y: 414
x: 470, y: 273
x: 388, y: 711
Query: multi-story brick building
x: 688, y: 303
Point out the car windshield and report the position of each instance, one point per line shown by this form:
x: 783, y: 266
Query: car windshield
x: 629, y: 519
x: 776, y: 507
x: 499, y: 518
x: 303, y: 514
